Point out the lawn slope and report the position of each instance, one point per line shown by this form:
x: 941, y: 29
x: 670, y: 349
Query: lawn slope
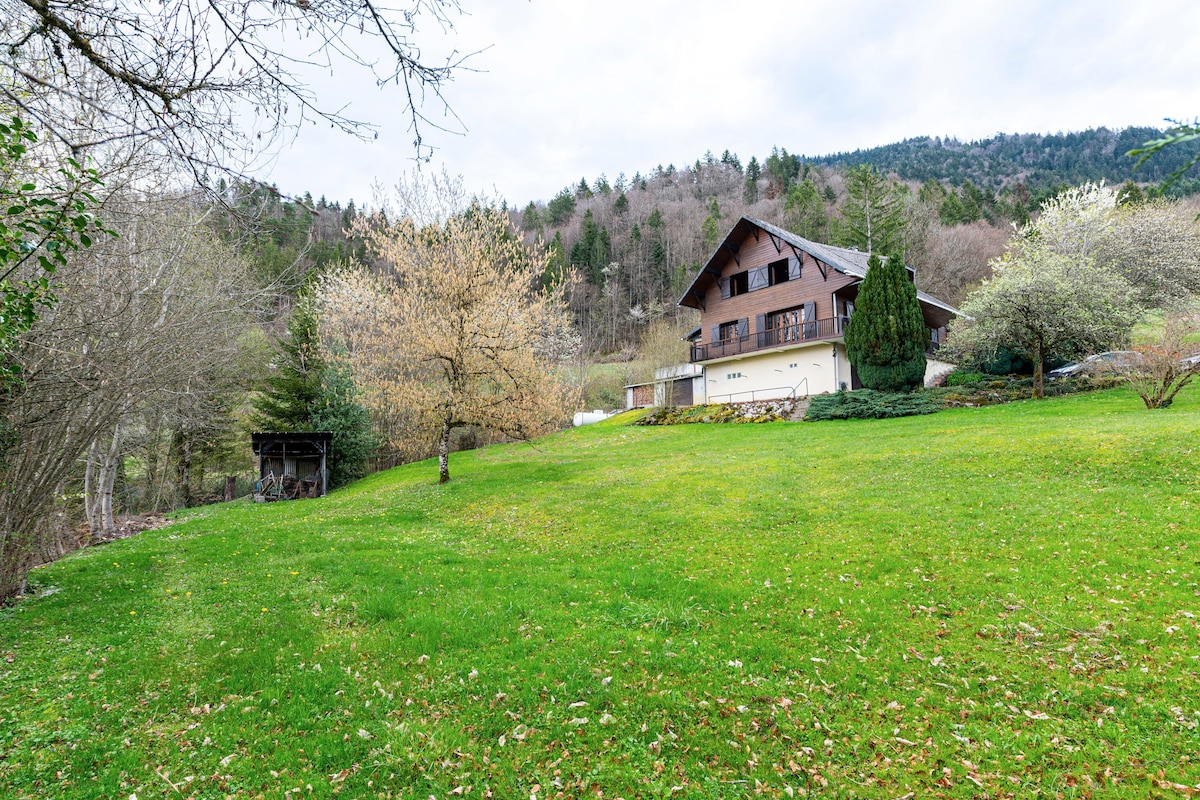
x: 980, y: 603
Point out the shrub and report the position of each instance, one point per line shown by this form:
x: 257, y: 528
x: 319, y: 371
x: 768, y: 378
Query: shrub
x: 869, y: 404
x: 961, y: 376
x: 886, y: 337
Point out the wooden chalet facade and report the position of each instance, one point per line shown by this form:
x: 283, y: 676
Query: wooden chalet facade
x: 772, y: 310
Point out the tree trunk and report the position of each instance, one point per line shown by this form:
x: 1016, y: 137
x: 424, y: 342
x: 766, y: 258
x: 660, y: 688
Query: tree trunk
x: 89, y: 490
x: 444, y: 454
x: 99, y: 479
x: 183, y: 468
x: 108, y: 477
x: 1039, y: 390
x: 15, y: 561
x: 230, y: 487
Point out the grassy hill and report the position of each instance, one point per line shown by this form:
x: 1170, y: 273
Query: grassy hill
x: 994, y: 602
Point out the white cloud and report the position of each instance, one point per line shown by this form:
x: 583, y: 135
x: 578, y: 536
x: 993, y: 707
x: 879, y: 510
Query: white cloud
x: 573, y: 90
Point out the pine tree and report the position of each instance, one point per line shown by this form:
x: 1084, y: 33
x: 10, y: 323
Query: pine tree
x: 560, y: 208
x: 531, y: 220
x: 306, y: 394
x: 753, y: 172
x: 873, y: 215
x: 710, y: 229
x: 805, y: 211
x: 353, y: 442
x: 290, y: 394
x: 951, y: 211
x: 972, y: 202
x: 886, y: 337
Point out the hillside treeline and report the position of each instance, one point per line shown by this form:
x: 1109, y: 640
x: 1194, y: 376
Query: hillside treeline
x: 1045, y: 163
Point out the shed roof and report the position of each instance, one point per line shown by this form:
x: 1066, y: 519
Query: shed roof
x: 315, y: 442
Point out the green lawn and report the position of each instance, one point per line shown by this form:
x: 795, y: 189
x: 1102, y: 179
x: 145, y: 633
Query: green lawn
x: 997, y: 602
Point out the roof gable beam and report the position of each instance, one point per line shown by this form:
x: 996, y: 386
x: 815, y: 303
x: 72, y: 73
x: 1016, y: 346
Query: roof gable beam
x: 732, y: 249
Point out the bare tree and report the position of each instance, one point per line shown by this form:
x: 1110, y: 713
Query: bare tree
x: 1169, y: 360
x: 205, y: 81
x: 143, y: 320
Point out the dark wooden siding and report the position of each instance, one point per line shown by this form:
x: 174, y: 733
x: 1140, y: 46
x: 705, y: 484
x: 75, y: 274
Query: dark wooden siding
x: 754, y: 254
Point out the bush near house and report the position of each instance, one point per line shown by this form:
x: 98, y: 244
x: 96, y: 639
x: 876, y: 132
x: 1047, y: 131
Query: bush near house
x: 869, y: 404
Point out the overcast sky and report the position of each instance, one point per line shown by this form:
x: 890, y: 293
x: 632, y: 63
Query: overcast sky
x: 568, y: 89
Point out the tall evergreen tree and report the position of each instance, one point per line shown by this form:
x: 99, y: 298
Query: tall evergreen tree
x: 886, y: 337
x: 805, y: 211
x: 560, y: 208
x: 306, y: 394
x: 353, y: 442
x: 293, y: 389
x: 710, y: 229
x: 753, y: 173
x: 873, y: 215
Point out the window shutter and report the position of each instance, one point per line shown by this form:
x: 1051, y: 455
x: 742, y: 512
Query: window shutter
x: 760, y: 322
x: 760, y: 327
x: 716, y: 334
x: 758, y: 278
x: 810, y: 311
x: 724, y: 288
x: 793, y: 268
x: 743, y: 326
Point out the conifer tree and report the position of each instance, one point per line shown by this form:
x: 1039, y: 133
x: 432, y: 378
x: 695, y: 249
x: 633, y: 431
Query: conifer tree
x: 805, y: 211
x: 293, y: 390
x: 306, y: 394
x: 753, y: 172
x: 886, y: 338
x: 873, y: 216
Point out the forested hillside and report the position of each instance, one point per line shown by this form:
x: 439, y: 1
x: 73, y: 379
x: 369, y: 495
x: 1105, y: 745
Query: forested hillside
x: 632, y: 243
x: 1043, y: 162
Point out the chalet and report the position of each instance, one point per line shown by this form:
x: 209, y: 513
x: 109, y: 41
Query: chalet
x: 772, y: 310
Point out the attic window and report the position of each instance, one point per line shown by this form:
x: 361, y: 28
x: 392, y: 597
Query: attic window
x: 777, y: 272
x: 739, y: 284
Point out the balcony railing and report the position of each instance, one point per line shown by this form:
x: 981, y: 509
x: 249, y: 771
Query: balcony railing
x: 786, y: 336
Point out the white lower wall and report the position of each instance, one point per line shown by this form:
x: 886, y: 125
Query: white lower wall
x: 934, y: 368
x: 767, y: 376
x: 770, y: 375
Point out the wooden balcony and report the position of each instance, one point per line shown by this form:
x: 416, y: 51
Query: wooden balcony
x: 772, y: 338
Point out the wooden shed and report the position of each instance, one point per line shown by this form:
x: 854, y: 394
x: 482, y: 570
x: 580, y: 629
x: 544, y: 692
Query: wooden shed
x: 291, y: 465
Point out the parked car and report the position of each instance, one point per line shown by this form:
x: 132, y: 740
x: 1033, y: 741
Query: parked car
x: 1114, y: 362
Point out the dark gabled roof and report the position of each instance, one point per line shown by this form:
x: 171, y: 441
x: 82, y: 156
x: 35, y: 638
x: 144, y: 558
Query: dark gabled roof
x: 848, y: 262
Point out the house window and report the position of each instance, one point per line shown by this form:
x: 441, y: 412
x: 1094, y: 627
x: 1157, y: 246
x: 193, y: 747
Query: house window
x: 777, y: 272
x: 739, y: 284
x: 785, y: 325
x: 793, y: 324
x: 728, y: 330
x: 732, y: 375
